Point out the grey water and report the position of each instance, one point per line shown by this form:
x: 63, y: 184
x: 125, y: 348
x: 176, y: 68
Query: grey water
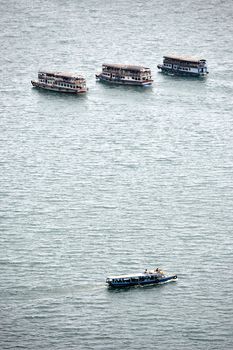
x: 116, y: 181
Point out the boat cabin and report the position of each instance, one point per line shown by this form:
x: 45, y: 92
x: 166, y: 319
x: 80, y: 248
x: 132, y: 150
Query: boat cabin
x: 125, y: 74
x: 184, y: 65
x: 127, y: 71
x: 62, y: 79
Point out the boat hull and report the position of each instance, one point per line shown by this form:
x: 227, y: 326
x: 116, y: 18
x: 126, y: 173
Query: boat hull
x: 118, y: 81
x: 43, y: 86
x: 178, y: 72
x: 142, y: 283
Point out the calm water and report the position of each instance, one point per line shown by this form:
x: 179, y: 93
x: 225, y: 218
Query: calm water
x: 115, y: 181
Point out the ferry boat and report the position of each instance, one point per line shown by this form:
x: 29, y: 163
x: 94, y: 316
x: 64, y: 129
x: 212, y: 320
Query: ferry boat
x: 148, y: 277
x: 61, y: 82
x: 125, y: 74
x: 183, y: 65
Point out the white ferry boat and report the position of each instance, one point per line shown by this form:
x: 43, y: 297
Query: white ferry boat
x: 182, y: 65
x: 148, y: 277
x: 61, y: 82
x: 125, y: 74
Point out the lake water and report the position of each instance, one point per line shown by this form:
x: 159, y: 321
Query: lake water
x: 116, y: 181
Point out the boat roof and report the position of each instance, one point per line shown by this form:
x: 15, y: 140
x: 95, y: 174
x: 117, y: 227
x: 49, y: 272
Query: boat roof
x: 184, y: 58
x: 126, y: 66
x: 62, y: 74
x: 128, y: 276
x: 140, y: 274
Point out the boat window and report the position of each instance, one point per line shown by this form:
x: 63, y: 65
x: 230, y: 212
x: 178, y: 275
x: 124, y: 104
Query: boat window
x: 134, y: 279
